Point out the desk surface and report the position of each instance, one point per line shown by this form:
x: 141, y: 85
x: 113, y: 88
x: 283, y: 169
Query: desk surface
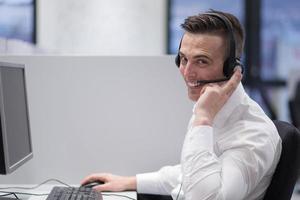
x: 45, y: 189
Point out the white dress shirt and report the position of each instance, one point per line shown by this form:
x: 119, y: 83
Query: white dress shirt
x: 233, y: 159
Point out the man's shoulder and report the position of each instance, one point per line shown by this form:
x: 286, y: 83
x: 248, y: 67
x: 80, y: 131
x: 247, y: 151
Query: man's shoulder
x: 248, y: 125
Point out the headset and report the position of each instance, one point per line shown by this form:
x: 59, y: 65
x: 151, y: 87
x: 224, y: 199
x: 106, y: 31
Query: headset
x: 231, y: 62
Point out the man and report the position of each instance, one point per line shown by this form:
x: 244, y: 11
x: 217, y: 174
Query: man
x: 231, y: 148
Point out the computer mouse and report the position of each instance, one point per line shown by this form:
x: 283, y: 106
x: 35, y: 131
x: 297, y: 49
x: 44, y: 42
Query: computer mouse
x: 93, y: 184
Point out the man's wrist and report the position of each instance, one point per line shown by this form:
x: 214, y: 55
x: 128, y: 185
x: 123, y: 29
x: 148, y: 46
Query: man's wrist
x: 131, y: 180
x: 202, y: 121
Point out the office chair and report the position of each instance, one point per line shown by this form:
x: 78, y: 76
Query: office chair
x: 294, y: 106
x: 287, y: 170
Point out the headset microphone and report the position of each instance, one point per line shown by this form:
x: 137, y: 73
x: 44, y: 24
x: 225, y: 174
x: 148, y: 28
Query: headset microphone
x: 203, y: 82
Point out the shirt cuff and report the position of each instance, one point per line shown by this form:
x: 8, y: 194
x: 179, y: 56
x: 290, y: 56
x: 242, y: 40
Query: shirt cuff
x: 148, y: 183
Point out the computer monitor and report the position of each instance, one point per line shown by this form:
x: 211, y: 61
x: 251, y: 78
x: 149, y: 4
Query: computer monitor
x: 15, y: 139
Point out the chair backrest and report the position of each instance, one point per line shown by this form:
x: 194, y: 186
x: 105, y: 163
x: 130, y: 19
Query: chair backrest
x: 287, y: 170
x: 294, y: 107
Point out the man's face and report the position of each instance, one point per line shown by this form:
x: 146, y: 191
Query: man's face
x: 201, y: 58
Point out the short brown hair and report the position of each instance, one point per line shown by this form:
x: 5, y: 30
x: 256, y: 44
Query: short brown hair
x: 205, y: 23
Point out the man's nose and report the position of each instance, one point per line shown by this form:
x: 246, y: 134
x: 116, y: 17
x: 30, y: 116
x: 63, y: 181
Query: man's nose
x: 189, y: 70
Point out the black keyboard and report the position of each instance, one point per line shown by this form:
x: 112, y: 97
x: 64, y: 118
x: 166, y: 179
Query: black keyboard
x: 74, y: 193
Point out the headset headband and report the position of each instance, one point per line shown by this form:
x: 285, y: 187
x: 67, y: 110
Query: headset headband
x: 229, y: 28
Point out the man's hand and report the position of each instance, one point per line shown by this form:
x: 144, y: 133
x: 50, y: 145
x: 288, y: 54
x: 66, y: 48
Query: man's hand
x: 112, y: 182
x: 213, y: 97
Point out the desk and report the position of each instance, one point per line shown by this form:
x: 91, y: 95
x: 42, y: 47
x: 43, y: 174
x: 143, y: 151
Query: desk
x: 45, y: 189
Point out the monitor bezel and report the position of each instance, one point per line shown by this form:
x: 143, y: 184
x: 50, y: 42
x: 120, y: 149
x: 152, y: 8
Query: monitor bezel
x: 8, y: 167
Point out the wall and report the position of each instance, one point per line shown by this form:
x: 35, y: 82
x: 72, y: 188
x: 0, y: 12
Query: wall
x: 101, y: 27
x: 124, y: 115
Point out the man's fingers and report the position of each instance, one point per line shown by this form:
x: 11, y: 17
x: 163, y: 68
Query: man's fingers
x: 233, y: 82
x: 93, y: 177
x: 85, y: 180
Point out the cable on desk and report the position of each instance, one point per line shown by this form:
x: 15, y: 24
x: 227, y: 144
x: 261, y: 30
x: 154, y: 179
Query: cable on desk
x: 9, y: 193
x: 34, y: 187
x: 23, y: 193
x: 117, y: 195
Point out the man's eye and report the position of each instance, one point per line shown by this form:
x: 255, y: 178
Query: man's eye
x: 202, y: 62
x: 183, y: 61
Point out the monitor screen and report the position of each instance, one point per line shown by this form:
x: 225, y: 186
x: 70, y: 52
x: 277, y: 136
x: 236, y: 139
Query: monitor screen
x: 15, y: 140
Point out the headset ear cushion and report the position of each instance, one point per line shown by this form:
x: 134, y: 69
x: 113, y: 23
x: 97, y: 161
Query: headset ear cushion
x: 226, y: 68
x: 177, y: 60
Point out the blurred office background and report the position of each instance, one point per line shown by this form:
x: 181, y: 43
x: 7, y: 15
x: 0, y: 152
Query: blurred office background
x: 143, y: 27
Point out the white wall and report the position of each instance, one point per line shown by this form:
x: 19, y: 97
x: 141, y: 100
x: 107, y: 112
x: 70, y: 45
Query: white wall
x: 102, y: 27
x: 124, y: 115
